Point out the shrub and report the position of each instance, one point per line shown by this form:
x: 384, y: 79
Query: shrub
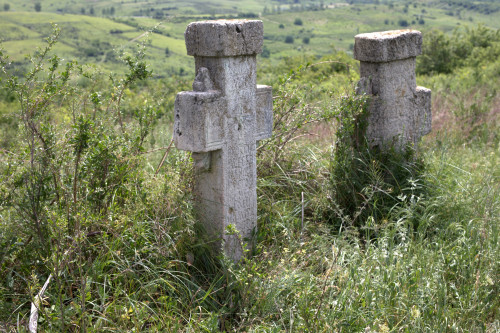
x: 297, y: 21
x: 306, y: 40
x: 158, y: 14
x: 368, y: 183
x: 247, y: 15
x: 75, y: 197
x: 289, y: 39
x: 266, y: 53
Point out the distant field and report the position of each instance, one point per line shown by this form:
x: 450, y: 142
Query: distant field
x: 89, y: 40
x: 288, y: 29
x: 141, y: 8
x: 336, y: 28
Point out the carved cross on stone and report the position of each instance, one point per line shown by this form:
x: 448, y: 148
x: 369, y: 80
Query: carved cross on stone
x: 399, y: 111
x: 220, y: 122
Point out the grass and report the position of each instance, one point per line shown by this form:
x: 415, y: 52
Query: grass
x: 441, y: 277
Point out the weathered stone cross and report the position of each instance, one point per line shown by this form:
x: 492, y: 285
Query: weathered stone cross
x: 399, y: 111
x: 220, y: 122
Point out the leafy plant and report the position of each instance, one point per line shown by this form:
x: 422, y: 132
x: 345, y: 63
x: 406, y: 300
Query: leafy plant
x: 465, y: 47
x: 368, y: 183
x: 70, y: 187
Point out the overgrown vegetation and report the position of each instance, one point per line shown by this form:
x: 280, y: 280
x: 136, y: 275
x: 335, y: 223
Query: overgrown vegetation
x: 466, y: 47
x: 368, y: 184
x: 92, y: 193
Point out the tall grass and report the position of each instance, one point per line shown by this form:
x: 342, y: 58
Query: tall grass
x: 433, y: 266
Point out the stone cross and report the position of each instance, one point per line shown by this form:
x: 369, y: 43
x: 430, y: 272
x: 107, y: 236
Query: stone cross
x: 220, y: 122
x: 399, y: 111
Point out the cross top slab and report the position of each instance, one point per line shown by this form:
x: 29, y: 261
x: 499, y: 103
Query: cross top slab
x: 399, y: 111
x: 220, y: 122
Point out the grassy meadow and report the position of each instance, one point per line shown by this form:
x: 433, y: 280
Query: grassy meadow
x: 349, y: 239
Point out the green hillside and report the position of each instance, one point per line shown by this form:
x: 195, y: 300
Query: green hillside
x: 141, y: 8
x: 99, y: 38
x: 88, y: 39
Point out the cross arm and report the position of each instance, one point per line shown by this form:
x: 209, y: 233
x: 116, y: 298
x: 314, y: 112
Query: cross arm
x: 264, y: 112
x: 424, y: 117
x: 198, y: 123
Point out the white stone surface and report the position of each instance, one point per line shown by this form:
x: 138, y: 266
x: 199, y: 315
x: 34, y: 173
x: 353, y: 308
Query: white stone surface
x: 399, y: 111
x: 224, y: 38
x: 220, y: 122
x: 386, y: 46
